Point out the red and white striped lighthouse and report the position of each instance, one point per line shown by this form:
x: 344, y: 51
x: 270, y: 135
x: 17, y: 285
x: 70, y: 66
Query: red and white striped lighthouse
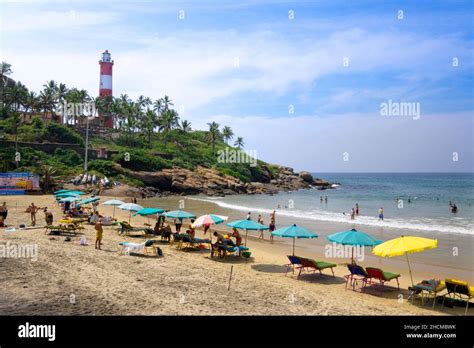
x: 105, y: 88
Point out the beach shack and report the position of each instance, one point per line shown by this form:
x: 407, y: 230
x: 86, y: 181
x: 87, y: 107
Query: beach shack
x: 18, y: 183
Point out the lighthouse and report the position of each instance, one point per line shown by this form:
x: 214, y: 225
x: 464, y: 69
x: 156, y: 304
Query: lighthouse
x: 105, y: 88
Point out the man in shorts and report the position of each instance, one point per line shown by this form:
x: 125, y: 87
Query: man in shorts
x: 99, y: 231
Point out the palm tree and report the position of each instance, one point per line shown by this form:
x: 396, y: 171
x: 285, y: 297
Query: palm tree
x: 239, y: 142
x: 167, y: 103
x: 31, y: 102
x: 149, y: 123
x: 227, y: 133
x: 168, y: 120
x: 47, y: 175
x: 5, y: 69
x: 16, y: 96
x: 185, y: 126
x: 158, y: 106
x: 213, y: 134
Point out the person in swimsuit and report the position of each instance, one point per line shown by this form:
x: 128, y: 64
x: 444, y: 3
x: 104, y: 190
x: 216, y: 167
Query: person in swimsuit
x: 272, y: 225
x: 381, y: 214
x: 357, y: 209
x: 33, y: 210
x: 48, y: 217
x: 98, y: 234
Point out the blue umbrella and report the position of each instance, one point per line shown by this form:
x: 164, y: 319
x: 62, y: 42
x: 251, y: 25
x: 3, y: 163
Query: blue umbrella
x: 354, y: 238
x: 247, y: 225
x: 89, y: 200
x: 294, y: 232
x: 148, y: 211
x: 179, y: 214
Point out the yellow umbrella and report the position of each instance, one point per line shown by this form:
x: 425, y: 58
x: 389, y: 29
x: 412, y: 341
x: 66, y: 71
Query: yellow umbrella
x: 404, y: 245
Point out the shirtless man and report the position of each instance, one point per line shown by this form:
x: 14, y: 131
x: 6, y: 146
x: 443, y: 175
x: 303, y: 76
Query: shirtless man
x: 33, y: 210
x: 98, y: 235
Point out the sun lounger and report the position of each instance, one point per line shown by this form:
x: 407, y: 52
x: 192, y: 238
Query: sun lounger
x: 294, y: 261
x: 357, y: 274
x: 382, y: 277
x: 184, y: 240
x: 459, y: 290
x: 128, y: 247
x: 309, y: 265
x: 428, y: 287
x: 125, y: 227
x: 222, y: 250
x: 65, y: 229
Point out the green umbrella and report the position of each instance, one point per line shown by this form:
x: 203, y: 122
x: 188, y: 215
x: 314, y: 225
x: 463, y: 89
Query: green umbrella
x: 89, y: 200
x: 179, y: 214
x: 148, y: 212
x: 247, y: 225
x: 354, y: 238
x: 294, y: 232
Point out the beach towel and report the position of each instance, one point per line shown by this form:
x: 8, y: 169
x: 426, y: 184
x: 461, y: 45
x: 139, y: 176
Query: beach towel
x: 132, y: 247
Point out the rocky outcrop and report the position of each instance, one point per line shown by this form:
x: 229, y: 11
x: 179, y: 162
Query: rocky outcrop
x: 210, y: 182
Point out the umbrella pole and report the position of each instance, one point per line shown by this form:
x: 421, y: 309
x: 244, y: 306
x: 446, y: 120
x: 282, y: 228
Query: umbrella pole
x: 129, y: 217
x: 353, y: 254
x: 113, y: 215
x: 246, y: 233
x: 409, y: 268
x: 294, y: 246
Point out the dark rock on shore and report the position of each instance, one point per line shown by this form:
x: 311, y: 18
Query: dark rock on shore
x: 210, y: 182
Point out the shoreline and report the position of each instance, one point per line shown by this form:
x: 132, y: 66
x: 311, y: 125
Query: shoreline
x: 183, y: 283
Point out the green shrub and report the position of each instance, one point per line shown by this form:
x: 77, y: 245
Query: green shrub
x: 140, y: 160
x: 104, y: 167
x: 58, y: 133
x: 68, y: 157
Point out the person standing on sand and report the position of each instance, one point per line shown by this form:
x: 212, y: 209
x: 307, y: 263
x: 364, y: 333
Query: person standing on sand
x: 357, y: 209
x: 272, y: 225
x: 4, y: 211
x: 48, y: 217
x: 381, y: 214
x: 33, y: 210
x: 98, y: 234
x: 178, y: 223
x: 260, y: 221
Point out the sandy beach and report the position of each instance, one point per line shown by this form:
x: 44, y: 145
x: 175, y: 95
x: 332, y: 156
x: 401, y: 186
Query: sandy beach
x: 69, y: 279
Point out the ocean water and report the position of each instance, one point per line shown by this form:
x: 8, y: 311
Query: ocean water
x: 429, y: 193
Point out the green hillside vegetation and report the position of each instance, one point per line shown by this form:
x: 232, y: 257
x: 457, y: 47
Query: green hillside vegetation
x: 142, y: 129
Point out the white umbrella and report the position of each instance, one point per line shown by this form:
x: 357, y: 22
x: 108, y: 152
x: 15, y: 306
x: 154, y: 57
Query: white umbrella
x: 114, y: 202
x: 131, y: 207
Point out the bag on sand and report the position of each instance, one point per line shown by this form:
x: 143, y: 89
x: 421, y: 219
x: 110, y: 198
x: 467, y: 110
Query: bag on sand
x: 83, y: 241
x: 159, y: 252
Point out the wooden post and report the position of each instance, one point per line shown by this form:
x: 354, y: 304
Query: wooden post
x: 230, y: 276
x: 409, y: 268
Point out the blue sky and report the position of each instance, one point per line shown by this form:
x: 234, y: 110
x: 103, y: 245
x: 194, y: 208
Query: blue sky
x: 245, y: 65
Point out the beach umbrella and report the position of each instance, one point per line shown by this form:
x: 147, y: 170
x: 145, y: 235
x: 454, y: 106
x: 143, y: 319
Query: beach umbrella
x: 70, y: 192
x: 61, y: 191
x: 209, y: 219
x: 130, y: 207
x: 179, y: 214
x: 149, y: 211
x: 294, y: 232
x: 89, y: 200
x: 70, y: 199
x: 354, y: 238
x: 114, y: 202
x: 65, y: 195
x: 404, y: 245
x: 247, y: 225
